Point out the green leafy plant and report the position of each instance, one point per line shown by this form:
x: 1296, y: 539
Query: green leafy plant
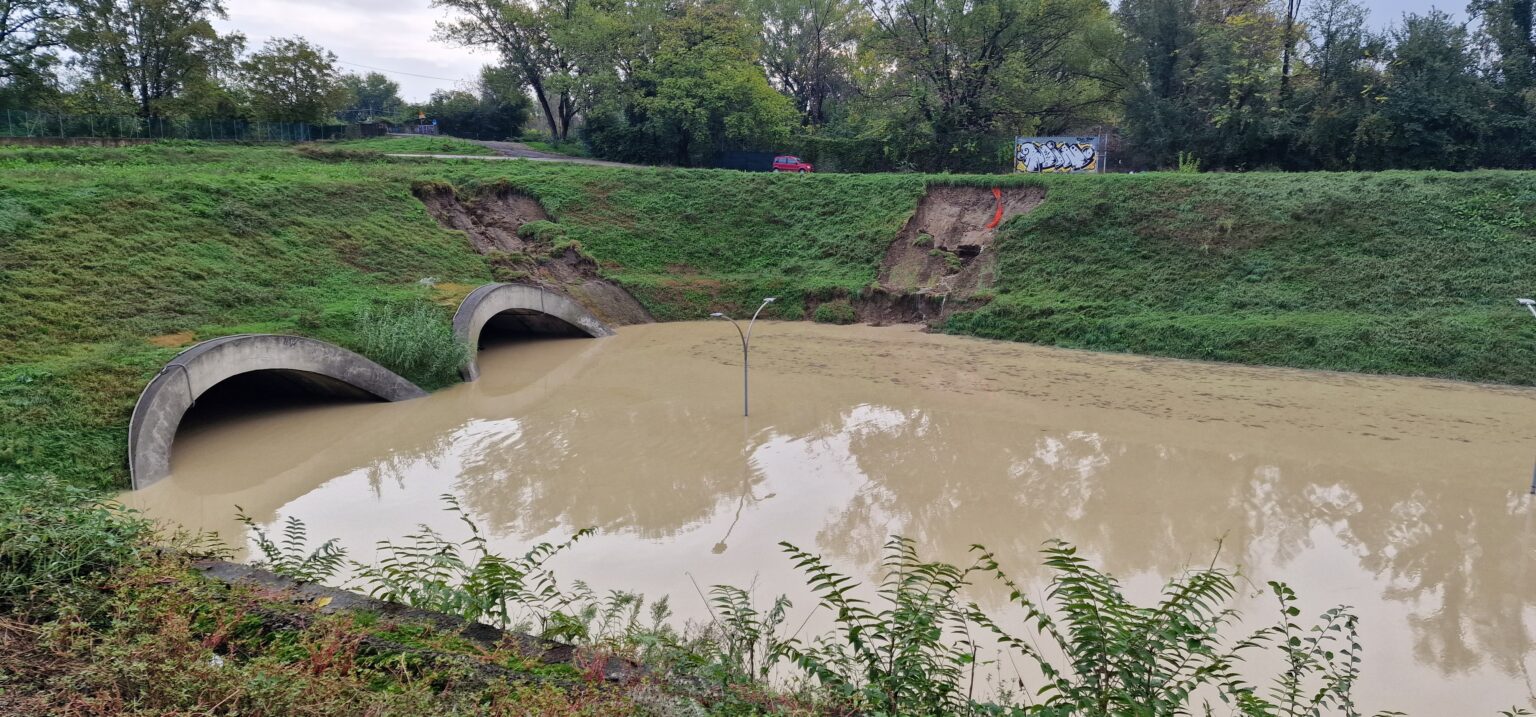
x: 290, y: 556
x: 835, y: 312
x: 1188, y: 163
x: 414, y: 341
x: 912, y: 654
x: 465, y: 578
x: 914, y: 651
x: 58, y: 541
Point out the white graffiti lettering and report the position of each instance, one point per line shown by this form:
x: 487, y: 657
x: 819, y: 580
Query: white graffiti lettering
x: 1054, y: 156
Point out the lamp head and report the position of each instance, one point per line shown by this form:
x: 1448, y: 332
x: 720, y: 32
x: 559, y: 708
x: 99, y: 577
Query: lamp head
x: 770, y: 299
x: 1527, y: 302
x: 717, y: 315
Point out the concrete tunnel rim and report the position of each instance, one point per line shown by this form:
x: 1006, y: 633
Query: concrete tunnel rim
x: 491, y: 300
x: 161, y: 406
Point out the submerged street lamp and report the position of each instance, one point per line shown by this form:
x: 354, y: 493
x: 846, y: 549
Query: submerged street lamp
x: 1531, y: 305
x: 746, y: 342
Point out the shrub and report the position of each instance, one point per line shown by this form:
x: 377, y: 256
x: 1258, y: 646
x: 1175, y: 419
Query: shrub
x: 414, y: 341
x: 913, y: 650
x: 57, y: 541
x: 541, y: 230
x: 835, y: 312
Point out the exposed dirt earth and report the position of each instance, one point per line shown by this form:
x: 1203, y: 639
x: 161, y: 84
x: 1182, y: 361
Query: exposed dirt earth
x: 523, y: 244
x: 944, y: 250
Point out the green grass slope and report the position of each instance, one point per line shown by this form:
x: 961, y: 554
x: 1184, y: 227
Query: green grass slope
x: 1405, y: 273
x: 113, y: 260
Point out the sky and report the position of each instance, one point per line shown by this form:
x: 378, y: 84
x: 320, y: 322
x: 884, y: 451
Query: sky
x: 395, y: 36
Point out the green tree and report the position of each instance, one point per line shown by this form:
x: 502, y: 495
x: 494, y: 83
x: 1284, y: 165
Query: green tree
x: 1337, y: 86
x: 372, y: 96
x: 1435, y: 106
x: 1507, y: 42
x: 697, y: 92
x: 1205, y: 81
x: 496, y: 110
x: 152, y: 50
x: 29, y: 31
x: 956, y: 64
x: 1505, y: 32
x: 807, y: 49
x: 293, y: 80
x: 523, y: 34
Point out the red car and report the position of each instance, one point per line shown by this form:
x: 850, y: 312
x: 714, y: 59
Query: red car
x: 790, y: 163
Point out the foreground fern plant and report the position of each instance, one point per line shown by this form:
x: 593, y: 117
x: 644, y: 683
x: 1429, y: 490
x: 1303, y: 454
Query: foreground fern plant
x: 1096, y: 653
x: 288, y: 557
x: 467, y: 579
x: 915, y: 646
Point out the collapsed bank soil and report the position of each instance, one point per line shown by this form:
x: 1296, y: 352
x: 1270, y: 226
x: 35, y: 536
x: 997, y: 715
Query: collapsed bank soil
x: 115, y: 259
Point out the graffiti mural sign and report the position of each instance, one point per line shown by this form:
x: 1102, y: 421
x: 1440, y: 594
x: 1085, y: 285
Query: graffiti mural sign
x: 1056, y: 154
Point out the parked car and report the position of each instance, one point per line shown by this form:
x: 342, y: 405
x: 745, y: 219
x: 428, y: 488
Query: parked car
x: 791, y: 163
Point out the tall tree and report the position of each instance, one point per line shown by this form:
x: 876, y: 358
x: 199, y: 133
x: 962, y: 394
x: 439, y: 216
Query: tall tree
x: 1205, y: 74
x: 1505, y: 31
x: 372, y: 95
x: 694, y: 90
x: 808, y: 46
x: 1508, y: 52
x: 522, y: 34
x: 152, y: 50
x: 503, y: 106
x: 1288, y: 41
x: 28, y: 29
x: 1435, y: 109
x: 293, y: 80
x: 1338, y: 86
x: 949, y: 59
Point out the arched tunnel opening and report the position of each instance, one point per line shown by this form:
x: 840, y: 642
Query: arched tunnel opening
x: 516, y: 325
x: 262, y: 393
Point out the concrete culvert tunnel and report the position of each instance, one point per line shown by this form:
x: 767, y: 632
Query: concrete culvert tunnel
x: 267, y: 391
x: 243, y: 373
x: 239, y: 375
x: 502, y: 310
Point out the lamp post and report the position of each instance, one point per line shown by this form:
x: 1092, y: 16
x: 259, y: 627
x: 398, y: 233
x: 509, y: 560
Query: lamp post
x: 746, y: 343
x: 1530, y: 304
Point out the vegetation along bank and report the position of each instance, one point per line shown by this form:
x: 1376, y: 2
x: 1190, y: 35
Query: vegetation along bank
x: 115, y: 259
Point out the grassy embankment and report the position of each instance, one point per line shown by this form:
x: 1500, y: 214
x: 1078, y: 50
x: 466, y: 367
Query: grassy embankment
x: 115, y: 259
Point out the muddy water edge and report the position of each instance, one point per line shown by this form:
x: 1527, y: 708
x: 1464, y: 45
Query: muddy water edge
x: 1404, y: 498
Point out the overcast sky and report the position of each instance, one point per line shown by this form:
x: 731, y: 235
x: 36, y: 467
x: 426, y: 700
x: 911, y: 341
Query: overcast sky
x: 395, y: 36
x: 392, y: 35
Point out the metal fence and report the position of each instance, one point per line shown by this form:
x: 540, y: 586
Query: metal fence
x: 19, y: 123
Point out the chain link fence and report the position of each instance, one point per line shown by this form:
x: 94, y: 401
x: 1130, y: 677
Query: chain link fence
x: 20, y: 123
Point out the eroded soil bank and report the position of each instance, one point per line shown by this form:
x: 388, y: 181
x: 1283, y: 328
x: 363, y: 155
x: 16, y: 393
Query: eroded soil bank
x: 940, y: 262
x: 515, y: 232
x: 1404, y: 498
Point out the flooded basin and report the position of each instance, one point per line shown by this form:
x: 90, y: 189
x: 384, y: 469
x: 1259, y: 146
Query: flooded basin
x: 1404, y: 498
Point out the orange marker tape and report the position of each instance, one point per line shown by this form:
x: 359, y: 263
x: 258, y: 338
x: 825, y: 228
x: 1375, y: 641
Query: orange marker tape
x: 997, y: 217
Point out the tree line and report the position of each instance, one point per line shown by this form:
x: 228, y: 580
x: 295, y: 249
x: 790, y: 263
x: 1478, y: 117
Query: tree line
x: 165, y: 59
x: 889, y: 84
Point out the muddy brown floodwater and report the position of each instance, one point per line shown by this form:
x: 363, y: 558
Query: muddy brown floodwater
x: 1403, y: 498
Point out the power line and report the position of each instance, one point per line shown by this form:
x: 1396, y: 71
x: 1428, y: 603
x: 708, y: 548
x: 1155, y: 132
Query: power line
x: 397, y: 72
